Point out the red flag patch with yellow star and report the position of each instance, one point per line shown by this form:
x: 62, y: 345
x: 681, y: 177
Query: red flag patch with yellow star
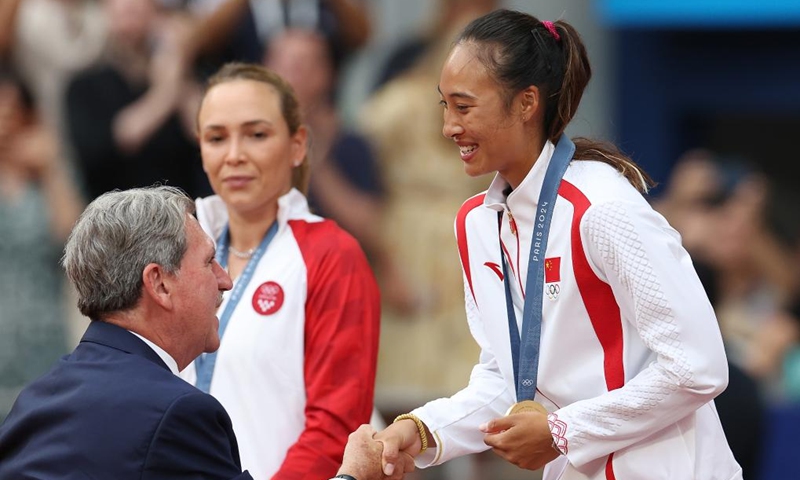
x: 552, y: 270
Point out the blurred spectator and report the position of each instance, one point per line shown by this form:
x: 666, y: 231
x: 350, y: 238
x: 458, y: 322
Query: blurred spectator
x: 240, y: 29
x: 425, y: 186
x: 756, y: 275
x: 694, y: 191
x: 48, y: 41
x: 38, y: 205
x: 448, y: 13
x: 720, y: 208
x: 775, y: 355
x: 791, y: 360
x: 131, y: 118
x: 8, y: 16
x: 346, y: 184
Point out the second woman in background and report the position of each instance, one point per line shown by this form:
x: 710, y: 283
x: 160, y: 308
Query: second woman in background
x: 296, y: 367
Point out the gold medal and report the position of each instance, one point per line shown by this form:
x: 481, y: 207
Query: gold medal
x: 526, y: 406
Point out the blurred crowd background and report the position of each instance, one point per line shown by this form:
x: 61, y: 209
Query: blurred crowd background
x: 102, y: 94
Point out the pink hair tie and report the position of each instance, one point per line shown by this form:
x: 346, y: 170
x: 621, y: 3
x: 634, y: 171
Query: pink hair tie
x: 552, y: 29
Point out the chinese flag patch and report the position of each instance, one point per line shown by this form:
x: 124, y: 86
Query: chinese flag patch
x: 552, y: 270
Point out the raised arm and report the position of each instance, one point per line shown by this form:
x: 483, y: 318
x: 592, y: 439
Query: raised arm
x: 354, y: 22
x: 212, y: 31
x: 8, y: 21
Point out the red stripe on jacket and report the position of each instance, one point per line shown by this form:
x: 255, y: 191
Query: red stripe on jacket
x: 599, y: 302
x: 341, y: 348
x: 461, y: 236
x: 597, y: 295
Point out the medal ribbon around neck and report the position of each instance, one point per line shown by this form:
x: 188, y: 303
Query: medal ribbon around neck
x: 525, y: 347
x: 204, y: 364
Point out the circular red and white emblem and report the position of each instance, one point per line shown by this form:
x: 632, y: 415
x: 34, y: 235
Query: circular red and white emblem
x: 268, y: 298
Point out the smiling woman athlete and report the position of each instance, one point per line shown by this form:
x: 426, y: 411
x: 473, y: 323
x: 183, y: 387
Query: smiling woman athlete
x: 600, y: 353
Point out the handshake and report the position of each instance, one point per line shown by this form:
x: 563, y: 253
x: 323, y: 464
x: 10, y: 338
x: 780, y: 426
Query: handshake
x: 521, y: 438
x: 374, y: 456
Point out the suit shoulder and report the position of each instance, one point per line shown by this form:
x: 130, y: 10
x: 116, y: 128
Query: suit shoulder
x: 194, y: 399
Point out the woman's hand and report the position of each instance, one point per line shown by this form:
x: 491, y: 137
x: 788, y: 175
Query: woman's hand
x: 399, y: 439
x: 523, y: 439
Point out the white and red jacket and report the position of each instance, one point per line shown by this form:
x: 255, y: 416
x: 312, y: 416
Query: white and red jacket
x: 296, y: 380
x: 631, y: 354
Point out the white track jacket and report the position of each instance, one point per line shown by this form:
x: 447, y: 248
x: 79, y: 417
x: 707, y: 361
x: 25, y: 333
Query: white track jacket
x: 631, y: 354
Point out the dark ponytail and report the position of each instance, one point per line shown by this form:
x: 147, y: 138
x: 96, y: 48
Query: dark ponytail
x: 519, y: 50
x: 577, y: 73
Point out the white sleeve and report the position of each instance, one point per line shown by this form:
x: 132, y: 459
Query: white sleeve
x: 654, y: 282
x: 454, y: 421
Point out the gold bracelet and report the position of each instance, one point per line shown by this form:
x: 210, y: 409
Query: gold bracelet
x: 422, y: 435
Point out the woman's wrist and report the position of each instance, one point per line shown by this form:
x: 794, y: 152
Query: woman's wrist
x: 420, y: 433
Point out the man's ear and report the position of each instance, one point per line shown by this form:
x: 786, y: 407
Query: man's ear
x: 157, y: 285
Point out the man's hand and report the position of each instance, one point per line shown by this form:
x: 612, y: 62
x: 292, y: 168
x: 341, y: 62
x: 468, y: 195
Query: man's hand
x: 523, y: 439
x: 362, y: 458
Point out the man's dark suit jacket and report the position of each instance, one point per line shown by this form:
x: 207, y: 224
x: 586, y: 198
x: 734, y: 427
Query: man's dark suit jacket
x: 112, y: 410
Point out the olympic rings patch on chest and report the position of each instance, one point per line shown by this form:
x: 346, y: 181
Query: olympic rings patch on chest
x: 552, y: 290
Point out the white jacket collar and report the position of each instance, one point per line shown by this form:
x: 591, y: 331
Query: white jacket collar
x: 213, y: 214
x: 525, y: 197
